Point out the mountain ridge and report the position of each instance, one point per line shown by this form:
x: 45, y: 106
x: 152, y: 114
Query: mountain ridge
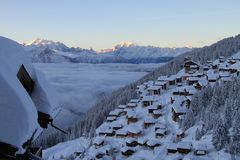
x: 125, y: 52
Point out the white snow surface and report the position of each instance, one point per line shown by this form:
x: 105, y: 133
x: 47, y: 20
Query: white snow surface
x: 18, y: 111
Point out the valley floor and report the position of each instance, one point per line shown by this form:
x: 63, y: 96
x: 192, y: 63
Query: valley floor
x: 80, y: 85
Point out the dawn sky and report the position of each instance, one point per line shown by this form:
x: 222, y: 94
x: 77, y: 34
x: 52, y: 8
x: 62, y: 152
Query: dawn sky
x: 104, y: 23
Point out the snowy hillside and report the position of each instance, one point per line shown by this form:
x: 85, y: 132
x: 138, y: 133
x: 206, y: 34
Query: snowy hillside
x: 151, y: 126
x: 47, y: 51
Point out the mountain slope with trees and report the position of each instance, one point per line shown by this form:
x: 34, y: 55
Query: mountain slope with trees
x: 96, y: 115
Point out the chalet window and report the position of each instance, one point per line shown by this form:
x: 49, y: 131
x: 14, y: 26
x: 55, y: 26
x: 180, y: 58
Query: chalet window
x: 25, y: 79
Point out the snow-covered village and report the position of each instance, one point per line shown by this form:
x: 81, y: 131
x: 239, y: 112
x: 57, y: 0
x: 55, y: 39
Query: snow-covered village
x: 153, y: 125
x: 120, y: 80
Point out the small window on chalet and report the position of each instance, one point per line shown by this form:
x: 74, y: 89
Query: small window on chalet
x: 25, y: 79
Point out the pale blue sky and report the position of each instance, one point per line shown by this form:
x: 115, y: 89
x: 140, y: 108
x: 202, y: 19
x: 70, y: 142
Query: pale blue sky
x: 104, y: 23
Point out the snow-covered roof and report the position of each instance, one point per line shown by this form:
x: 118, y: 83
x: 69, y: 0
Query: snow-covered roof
x: 167, y: 78
x: 154, y: 88
x: 224, y: 74
x: 111, y: 118
x: 235, y: 66
x: 184, y: 145
x: 160, y: 131
x: 142, y: 140
x: 153, y: 107
x: 179, y: 109
x: 134, y: 129
x: 98, y: 140
x: 115, y: 112
x: 226, y: 79
x: 172, y: 146
x: 212, y: 76
x: 132, y: 104
x: 130, y: 140
x: 201, y: 147
x: 160, y: 83
x: 193, y: 78
x: 18, y: 111
x: 157, y: 111
x: 104, y: 129
x: 203, y: 82
x: 149, y: 120
x: 179, y: 132
x: 153, y: 142
x: 116, y: 124
x: 160, y: 126
x: 149, y: 98
x: 102, y: 150
x: 121, y: 132
x: 134, y: 100
x: 122, y: 106
x: 131, y: 114
x: 125, y: 149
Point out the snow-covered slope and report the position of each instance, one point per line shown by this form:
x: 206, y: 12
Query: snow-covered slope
x: 49, y: 51
x: 18, y: 111
x: 150, y: 127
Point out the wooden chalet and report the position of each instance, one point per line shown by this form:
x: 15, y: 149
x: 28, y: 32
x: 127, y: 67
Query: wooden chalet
x: 190, y: 66
x: 192, y: 80
x: 212, y: 77
x: 147, y: 101
x: 184, y: 147
x: 106, y: 132
x: 152, y: 143
x: 157, y: 113
x: 206, y: 67
x: 149, y: 121
x: 127, y: 151
x: 153, y: 108
x: 132, y: 105
x: 121, y: 107
x: 221, y: 59
x: 111, y: 118
x: 121, y: 133
x: 160, y: 126
x: 172, y: 148
x: 99, y: 141
x: 201, y: 149
x: 134, y: 131
x: 101, y: 152
x: 164, y: 85
x: 177, y: 111
x: 180, y: 134
x: 116, y: 126
x: 142, y: 141
x: 131, y: 117
x: 160, y: 132
x: 115, y: 113
x: 131, y: 142
x: 154, y: 90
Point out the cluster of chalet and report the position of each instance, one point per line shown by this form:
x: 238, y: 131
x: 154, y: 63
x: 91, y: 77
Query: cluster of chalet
x: 151, y: 121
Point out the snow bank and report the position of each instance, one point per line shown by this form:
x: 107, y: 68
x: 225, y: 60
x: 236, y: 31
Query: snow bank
x: 18, y: 112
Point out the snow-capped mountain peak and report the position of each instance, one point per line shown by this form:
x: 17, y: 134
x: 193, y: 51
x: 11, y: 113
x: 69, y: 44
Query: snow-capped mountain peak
x: 125, y: 44
x: 43, y: 44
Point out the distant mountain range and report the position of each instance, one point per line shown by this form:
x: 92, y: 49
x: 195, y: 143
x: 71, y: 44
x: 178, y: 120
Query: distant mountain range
x: 47, y: 51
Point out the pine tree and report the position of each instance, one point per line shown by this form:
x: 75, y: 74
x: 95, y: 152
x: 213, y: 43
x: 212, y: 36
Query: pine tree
x: 235, y: 139
x: 220, y: 137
